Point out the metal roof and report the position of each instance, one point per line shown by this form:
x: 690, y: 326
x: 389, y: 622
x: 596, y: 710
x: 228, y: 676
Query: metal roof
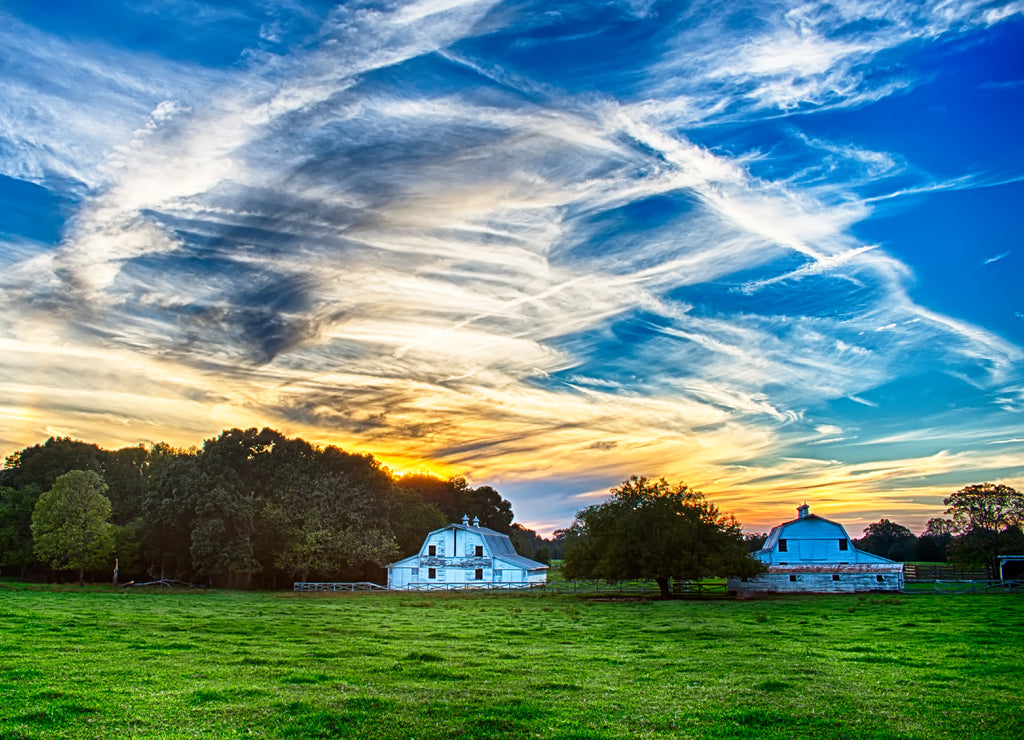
x: 498, y: 545
x: 521, y: 562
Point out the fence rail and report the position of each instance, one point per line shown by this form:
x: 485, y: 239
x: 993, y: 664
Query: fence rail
x: 702, y: 588
x: 698, y: 589
x: 914, y: 572
x: 357, y: 586
x: 962, y: 586
x: 640, y: 588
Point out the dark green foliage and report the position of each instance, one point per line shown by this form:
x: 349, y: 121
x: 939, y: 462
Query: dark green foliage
x: 455, y: 499
x: 43, y: 464
x: 754, y: 540
x: 525, y: 540
x: 251, y: 508
x: 987, y: 520
x: 651, y: 529
x: 130, y: 474
x: 888, y: 539
x: 411, y: 519
x: 934, y: 542
x: 70, y: 527
x: 16, y: 506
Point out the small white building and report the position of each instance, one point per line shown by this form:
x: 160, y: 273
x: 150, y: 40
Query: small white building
x: 811, y: 554
x: 466, y: 556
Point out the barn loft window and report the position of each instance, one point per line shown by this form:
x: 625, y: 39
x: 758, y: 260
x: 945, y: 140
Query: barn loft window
x: 782, y: 546
x: 835, y: 576
x: 431, y: 572
x: 794, y: 579
x: 479, y: 574
x: 880, y: 579
x: 844, y: 544
x: 479, y: 551
x: 432, y: 552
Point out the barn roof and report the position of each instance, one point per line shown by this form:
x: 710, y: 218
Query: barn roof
x: 813, y: 527
x: 497, y: 543
x: 499, y: 547
x: 521, y: 562
x: 777, y: 530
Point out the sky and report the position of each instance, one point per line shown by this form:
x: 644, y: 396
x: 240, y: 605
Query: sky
x: 770, y: 249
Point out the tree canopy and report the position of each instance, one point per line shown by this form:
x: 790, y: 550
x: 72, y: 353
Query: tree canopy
x: 986, y: 521
x: 656, y: 530
x: 251, y: 507
x: 934, y: 541
x: 69, y: 524
x: 888, y: 539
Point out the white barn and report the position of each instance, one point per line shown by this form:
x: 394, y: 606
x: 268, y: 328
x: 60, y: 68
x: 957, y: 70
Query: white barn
x: 466, y: 556
x: 811, y: 554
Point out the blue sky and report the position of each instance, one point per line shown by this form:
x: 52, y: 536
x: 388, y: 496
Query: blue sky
x: 771, y: 249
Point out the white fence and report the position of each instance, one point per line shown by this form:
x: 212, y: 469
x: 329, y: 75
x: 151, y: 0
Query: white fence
x: 644, y: 587
x: 359, y: 586
x: 367, y: 586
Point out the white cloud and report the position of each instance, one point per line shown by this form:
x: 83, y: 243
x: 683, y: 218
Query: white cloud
x: 996, y: 258
x: 337, y: 242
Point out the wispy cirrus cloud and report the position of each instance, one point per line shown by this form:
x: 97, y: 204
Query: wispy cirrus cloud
x: 404, y: 236
x: 995, y: 258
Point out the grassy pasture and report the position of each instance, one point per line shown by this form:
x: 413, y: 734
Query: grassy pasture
x: 100, y: 663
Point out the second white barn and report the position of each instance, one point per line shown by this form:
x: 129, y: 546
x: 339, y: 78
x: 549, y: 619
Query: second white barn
x: 813, y: 554
x: 466, y: 556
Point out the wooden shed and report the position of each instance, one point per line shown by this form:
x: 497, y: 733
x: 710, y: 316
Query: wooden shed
x: 466, y: 556
x: 811, y: 554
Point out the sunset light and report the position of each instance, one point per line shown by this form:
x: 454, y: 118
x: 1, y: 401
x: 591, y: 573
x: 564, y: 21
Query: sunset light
x: 772, y: 250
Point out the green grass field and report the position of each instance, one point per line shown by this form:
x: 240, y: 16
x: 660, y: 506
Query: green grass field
x: 101, y: 663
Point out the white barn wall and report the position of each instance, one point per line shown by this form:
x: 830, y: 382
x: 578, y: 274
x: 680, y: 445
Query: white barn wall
x: 838, y: 579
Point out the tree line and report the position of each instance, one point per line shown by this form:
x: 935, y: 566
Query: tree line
x: 251, y: 508
x: 254, y: 508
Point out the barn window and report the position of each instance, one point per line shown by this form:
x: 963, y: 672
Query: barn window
x: 794, y: 579
x: 880, y: 579
x: 479, y: 551
x: 479, y: 574
x: 497, y: 575
x: 843, y: 544
x: 431, y: 572
x: 432, y: 551
x: 415, y: 571
x: 782, y: 546
x: 835, y: 576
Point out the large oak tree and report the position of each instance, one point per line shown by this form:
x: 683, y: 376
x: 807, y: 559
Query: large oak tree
x: 987, y: 520
x: 652, y: 529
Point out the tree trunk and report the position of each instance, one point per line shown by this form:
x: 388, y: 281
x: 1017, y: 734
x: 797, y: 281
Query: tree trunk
x: 662, y: 582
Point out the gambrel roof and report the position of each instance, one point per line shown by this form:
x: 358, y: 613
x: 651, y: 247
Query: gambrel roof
x: 807, y: 528
x: 496, y: 545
